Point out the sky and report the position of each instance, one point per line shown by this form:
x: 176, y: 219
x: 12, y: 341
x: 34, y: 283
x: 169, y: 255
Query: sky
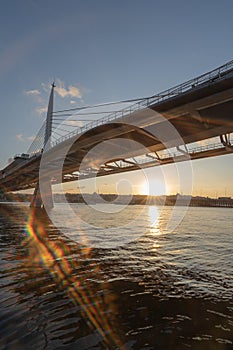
x: 100, y: 51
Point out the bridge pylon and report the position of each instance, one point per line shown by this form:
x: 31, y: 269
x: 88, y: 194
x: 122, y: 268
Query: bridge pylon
x: 47, y: 201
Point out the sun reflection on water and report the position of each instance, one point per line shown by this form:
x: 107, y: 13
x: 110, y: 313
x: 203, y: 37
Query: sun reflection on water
x: 154, y: 215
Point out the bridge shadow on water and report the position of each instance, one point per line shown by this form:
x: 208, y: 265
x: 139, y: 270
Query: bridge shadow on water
x: 57, y: 294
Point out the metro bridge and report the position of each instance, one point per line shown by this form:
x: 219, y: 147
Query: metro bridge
x: 198, y: 110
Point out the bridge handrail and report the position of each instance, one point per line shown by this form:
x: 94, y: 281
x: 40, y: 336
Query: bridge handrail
x: 163, y: 155
x: 209, y: 77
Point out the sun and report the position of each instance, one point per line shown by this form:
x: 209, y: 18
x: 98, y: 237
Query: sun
x: 153, y: 187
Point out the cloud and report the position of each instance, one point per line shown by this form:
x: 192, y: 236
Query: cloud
x: 46, y: 87
x: 31, y: 138
x: 38, y: 95
x: 41, y: 110
x: 34, y: 92
x: 72, y: 91
x: 20, y: 137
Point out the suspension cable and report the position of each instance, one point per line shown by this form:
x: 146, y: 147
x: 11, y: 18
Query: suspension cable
x: 101, y: 105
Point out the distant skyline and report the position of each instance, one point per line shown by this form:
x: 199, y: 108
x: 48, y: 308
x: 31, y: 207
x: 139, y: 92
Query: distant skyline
x: 100, y: 51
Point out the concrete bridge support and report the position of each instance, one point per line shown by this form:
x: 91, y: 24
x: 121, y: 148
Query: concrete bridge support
x: 47, y: 201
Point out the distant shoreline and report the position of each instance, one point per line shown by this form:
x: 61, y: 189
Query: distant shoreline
x: 170, y: 200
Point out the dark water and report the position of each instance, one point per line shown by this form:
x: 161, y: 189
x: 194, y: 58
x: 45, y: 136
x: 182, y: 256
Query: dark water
x: 162, y: 291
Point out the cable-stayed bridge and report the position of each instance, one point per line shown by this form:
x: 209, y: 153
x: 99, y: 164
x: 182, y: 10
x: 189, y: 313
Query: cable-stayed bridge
x: 168, y: 127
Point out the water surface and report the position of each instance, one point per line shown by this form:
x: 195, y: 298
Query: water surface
x: 159, y: 290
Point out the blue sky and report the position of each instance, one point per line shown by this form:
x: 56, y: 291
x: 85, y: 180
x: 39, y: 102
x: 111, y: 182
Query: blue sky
x: 101, y: 51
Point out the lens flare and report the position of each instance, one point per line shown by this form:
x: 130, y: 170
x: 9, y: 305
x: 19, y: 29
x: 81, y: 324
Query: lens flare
x: 52, y: 256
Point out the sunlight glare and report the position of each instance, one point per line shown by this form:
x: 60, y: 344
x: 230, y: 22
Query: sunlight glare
x: 153, y: 187
x: 153, y: 215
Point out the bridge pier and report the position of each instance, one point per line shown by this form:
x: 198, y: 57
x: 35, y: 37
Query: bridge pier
x: 47, y: 201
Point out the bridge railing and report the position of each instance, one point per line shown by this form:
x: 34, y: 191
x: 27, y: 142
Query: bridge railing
x: 204, y: 79
x: 172, y: 153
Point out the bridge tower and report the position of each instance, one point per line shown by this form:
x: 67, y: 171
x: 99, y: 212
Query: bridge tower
x: 47, y: 188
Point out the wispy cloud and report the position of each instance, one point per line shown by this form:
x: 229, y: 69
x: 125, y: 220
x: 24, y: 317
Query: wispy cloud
x: 46, y: 87
x: 40, y: 96
x: 34, y: 92
x: 20, y: 137
x: 31, y: 138
x: 71, y: 90
x: 41, y: 110
x: 36, y: 95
